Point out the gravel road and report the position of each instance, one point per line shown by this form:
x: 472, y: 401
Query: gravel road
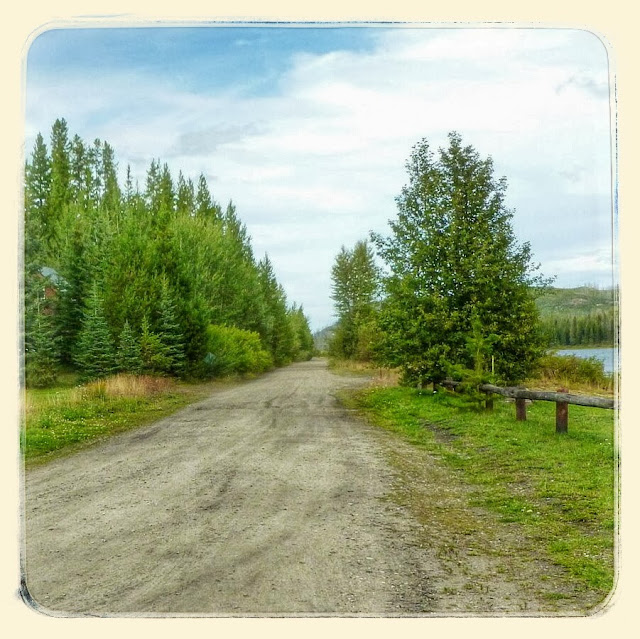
x: 267, y: 498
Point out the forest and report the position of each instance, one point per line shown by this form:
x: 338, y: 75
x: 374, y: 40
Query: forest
x: 583, y: 316
x: 159, y: 279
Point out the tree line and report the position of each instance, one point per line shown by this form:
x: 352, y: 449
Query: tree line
x: 159, y: 280
x: 581, y: 330
x: 449, y: 292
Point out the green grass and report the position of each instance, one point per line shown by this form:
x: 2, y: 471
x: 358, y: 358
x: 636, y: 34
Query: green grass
x: 63, y: 419
x: 558, y: 488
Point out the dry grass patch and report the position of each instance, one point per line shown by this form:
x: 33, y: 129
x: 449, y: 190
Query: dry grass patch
x: 380, y: 376
x: 126, y: 385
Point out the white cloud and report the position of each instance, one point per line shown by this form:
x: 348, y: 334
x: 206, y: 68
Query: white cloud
x: 323, y: 156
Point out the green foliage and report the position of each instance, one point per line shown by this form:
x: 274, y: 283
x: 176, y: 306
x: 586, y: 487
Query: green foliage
x: 129, y: 355
x: 36, y: 204
x: 153, y: 352
x: 234, y: 351
x: 356, y: 284
x: 169, y: 254
x: 570, y: 368
x: 453, y: 257
x: 583, y: 316
x: 41, y: 340
x: 302, y: 346
x: 596, y: 328
x: 479, y: 348
x: 95, y: 352
x: 41, y: 351
x: 171, y: 333
x: 276, y: 331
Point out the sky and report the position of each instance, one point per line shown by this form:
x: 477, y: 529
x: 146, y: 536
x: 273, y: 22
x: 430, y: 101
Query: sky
x: 307, y: 128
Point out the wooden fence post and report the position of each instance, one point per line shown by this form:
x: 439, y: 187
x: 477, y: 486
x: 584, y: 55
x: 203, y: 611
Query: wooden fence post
x: 562, y: 414
x: 488, y: 402
x: 521, y: 409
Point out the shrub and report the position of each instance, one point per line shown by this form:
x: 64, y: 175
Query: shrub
x: 574, y: 369
x: 233, y: 350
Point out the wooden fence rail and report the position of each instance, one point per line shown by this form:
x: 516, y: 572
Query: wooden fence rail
x: 561, y: 398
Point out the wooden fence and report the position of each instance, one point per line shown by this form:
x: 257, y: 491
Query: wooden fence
x: 561, y: 398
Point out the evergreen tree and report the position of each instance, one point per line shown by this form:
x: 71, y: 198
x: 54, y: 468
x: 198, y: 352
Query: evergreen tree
x: 79, y: 221
x: 60, y: 194
x: 95, y: 352
x: 170, y: 333
x: 205, y: 206
x: 278, y: 332
x: 302, y: 338
x: 185, y: 196
x: 128, y: 186
x: 41, y: 344
x: 111, y: 196
x: 74, y: 288
x: 37, y: 228
x: 152, y: 351
x: 81, y: 180
x: 452, y: 255
x: 128, y: 357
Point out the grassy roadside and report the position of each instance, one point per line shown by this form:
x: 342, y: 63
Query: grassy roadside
x: 557, y: 490
x: 61, y: 420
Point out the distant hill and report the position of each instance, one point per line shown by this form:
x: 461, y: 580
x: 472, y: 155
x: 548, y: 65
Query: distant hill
x: 583, y: 316
x: 321, y: 338
x: 578, y: 302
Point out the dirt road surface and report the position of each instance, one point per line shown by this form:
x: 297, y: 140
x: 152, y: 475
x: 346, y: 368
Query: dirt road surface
x: 267, y: 498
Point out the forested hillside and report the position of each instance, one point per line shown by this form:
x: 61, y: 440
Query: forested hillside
x: 322, y: 338
x: 581, y: 316
x: 160, y: 279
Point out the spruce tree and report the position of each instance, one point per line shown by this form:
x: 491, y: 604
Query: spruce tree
x: 41, y: 355
x: 41, y: 343
x: 204, y: 205
x: 95, y: 353
x: 60, y: 194
x: 111, y: 196
x: 152, y: 351
x: 185, y: 196
x: 128, y: 357
x: 37, y: 194
x: 170, y: 333
x: 74, y: 290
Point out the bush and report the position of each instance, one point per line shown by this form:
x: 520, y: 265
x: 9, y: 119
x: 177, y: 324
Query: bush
x: 234, y: 351
x: 574, y: 369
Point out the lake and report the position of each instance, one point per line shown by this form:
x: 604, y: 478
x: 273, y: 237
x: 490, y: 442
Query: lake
x: 606, y: 355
